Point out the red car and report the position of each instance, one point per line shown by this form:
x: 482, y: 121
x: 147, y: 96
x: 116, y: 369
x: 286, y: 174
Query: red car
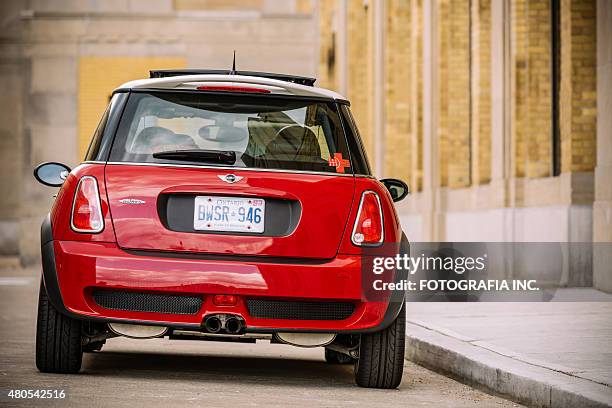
x: 215, y: 205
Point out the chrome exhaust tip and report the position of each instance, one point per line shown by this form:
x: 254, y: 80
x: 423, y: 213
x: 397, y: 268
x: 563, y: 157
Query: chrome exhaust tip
x: 233, y: 325
x: 212, y: 324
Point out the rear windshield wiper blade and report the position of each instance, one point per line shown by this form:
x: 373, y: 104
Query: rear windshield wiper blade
x: 211, y: 156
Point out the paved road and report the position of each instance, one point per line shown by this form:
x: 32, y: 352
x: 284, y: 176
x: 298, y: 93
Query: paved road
x: 133, y: 373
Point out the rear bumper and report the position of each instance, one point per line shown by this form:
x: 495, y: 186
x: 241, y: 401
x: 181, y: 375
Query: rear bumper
x: 74, y: 270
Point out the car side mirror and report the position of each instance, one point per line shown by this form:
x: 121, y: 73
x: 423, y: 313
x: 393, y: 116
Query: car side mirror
x: 398, y: 189
x: 51, y: 173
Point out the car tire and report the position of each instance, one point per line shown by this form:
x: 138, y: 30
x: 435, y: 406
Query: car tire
x: 334, y: 357
x: 381, y: 356
x: 58, y: 339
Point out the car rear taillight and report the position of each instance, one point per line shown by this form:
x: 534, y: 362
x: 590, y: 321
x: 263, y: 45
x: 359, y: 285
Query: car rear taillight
x: 230, y: 88
x: 368, y: 229
x: 86, y: 214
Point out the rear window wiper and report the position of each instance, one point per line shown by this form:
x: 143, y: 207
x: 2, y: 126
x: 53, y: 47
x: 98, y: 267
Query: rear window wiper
x: 199, y: 155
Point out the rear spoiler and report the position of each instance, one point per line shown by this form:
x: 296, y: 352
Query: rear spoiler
x: 164, y: 73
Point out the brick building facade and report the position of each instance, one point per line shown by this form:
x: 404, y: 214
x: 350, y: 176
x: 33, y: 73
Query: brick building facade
x: 61, y: 59
x: 496, y: 112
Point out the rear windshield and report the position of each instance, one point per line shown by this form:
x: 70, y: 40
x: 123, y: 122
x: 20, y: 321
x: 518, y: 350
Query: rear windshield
x: 262, y: 132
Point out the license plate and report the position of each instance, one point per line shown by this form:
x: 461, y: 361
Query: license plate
x: 234, y: 214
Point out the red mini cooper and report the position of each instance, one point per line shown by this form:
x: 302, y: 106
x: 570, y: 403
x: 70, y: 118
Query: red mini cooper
x: 216, y: 205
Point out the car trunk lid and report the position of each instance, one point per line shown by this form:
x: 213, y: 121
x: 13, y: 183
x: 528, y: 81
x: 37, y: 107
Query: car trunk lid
x: 152, y: 208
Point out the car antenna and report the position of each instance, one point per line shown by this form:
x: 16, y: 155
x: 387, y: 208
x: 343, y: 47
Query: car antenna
x: 233, y: 71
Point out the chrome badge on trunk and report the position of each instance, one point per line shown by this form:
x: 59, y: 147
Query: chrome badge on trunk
x: 230, y: 178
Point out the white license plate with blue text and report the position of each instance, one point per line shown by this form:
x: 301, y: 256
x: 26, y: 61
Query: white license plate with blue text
x: 235, y: 214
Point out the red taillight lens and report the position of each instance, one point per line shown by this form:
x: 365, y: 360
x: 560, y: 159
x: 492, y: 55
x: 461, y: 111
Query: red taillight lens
x: 368, y: 229
x: 225, y: 300
x: 229, y: 88
x: 86, y: 208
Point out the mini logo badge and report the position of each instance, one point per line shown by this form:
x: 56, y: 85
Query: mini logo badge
x: 131, y: 201
x: 230, y: 178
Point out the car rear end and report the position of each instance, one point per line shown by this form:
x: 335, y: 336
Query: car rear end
x: 219, y: 205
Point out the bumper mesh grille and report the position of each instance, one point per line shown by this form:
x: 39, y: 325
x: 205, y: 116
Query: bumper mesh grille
x: 278, y: 309
x: 146, y: 302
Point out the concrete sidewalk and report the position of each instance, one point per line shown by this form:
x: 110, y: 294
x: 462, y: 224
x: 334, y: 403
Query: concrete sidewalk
x: 555, y: 354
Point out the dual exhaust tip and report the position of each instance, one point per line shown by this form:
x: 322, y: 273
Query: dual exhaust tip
x: 221, y: 323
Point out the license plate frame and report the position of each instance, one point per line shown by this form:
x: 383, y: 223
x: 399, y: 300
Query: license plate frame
x: 224, y: 214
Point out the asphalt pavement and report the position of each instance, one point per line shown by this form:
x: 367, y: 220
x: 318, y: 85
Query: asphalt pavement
x: 133, y: 373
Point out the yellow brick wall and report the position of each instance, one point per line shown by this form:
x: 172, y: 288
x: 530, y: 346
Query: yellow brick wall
x: 519, y: 85
x: 532, y: 89
x: 398, y: 89
x: 464, y: 86
x: 578, y: 114
x: 481, y: 91
x: 360, y: 69
x: 416, y: 100
x: 303, y: 6
x: 328, y: 45
x: 99, y: 76
x: 218, y: 4
x: 539, y: 89
x: 443, y: 142
x: 454, y: 126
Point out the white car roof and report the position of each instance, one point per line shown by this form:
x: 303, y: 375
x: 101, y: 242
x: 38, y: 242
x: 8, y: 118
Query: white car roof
x: 194, y: 81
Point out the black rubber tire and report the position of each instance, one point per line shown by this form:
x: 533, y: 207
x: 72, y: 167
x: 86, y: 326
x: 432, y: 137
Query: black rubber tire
x: 58, y: 339
x: 381, y: 356
x: 334, y: 357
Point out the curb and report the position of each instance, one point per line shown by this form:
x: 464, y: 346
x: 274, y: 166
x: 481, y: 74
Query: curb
x: 520, y: 381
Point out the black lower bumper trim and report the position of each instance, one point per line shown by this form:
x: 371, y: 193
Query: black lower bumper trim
x: 147, y: 302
